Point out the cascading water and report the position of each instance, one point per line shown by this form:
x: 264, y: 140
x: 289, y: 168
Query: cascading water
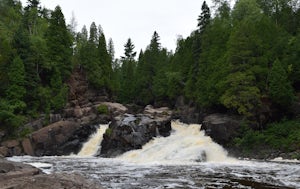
x: 185, y: 144
x: 91, y: 147
x: 172, y: 162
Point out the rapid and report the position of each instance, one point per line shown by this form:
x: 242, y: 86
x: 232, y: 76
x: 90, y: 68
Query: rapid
x: 185, y: 159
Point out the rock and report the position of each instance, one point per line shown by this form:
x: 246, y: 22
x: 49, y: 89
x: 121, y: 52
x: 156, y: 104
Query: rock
x: 87, y: 120
x: 26, y: 144
x: 130, y: 132
x: 221, y: 128
x: 15, y: 175
x: 79, y: 137
x: 48, y: 140
x: 11, y: 148
x: 157, y: 112
x: 36, y: 124
x: 2, y: 135
x: 54, y: 118
x: 16, y: 151
x: 10, y: 170
x: 4, y: 151
x: 68, y: 113
x: 6, y: 167
x: 115, y: 109
x: 78, y: 112
x: 10, y: 143
x: 187, y: 112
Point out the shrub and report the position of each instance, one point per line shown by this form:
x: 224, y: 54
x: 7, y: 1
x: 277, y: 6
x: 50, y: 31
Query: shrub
x: 284, y: 136
x: 102, y: 109
x: 108, y: 131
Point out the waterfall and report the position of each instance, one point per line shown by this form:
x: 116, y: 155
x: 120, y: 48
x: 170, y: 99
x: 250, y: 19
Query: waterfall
x: 185, y: 144
x: 91, y: 147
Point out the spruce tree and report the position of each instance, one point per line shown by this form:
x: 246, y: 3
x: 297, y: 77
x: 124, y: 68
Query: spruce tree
x: 204, y: 18
x: 127, y: 92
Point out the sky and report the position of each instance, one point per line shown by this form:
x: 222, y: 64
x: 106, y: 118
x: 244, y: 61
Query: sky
x: 135, y: 19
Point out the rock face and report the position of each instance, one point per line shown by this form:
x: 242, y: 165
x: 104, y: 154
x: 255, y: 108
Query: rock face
x: 130, y: 132
x: 21, y: 176
x: 187, y: 112
x: 61, y: 138
x: 221, y: 128
x: 10, y: 147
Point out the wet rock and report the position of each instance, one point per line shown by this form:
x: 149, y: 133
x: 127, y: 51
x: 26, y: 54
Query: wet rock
x: 221, y: 128
x: 10, y: 170
x: 15, y: 175
x: 130, y: 132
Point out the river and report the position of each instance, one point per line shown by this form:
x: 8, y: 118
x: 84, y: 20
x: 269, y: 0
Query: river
x: 186, y: 159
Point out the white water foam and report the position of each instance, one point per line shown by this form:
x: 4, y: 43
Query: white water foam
x: 91, y: 147
x: 186, y: 144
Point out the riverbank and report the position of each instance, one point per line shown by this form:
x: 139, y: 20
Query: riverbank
x: 22, y: 176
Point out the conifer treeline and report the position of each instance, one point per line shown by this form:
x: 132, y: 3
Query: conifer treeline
x: 235, y: 59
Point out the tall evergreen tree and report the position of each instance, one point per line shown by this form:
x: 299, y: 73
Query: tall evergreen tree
x: 59, y: 44
x: 105, y: 60
x: 204, y: 18
x: 127, y: 92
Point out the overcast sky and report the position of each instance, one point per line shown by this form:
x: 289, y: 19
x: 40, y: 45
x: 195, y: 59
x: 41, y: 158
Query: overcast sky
x: 137, y: 19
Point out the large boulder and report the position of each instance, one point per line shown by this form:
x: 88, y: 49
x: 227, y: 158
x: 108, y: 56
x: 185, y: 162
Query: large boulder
x: 130, y: 132
x: 61, y: 138
x: 221, y: 128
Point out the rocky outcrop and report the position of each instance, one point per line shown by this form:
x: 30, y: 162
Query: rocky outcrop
x: 61, y: 138
x: 221, y: 128
x: 130, y: 132
x: 21, y: 176
x: 10, y: 147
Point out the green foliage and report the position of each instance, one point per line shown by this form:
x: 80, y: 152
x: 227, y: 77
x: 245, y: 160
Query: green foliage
x: 108, y: 131
x: 241, y: 93
x: 283, y: 136
x: 280, y: 89
x: 127, y: 79
x: 102, y: 109
x: 59, y: 44
x: 233, y: 59
x: 204, y: 18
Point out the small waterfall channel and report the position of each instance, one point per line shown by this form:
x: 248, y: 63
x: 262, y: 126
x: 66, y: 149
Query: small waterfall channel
x: 91, y: 147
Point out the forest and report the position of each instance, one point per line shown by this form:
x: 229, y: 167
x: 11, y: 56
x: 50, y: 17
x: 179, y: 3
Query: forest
x: 243, y: 60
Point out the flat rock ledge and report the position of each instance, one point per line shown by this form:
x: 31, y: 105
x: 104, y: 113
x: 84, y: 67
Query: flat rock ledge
x: 15, y: 175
